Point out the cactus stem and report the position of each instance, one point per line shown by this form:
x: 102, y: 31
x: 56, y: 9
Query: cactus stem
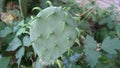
x: 48, y: 44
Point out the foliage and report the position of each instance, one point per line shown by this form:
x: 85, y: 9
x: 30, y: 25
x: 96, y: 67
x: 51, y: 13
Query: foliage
x: 93, y: 35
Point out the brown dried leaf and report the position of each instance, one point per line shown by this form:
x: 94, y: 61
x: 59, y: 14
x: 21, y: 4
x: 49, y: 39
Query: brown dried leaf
x: 6, y: 17
x: 12, y: 5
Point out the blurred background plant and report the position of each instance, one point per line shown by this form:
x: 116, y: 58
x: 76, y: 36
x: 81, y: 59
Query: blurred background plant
x: 97, y: 44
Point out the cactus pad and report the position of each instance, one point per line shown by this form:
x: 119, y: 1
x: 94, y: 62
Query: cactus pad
x: 52, y: 33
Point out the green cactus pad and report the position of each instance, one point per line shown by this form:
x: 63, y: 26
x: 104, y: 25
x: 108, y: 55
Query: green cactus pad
x: 53, y: 33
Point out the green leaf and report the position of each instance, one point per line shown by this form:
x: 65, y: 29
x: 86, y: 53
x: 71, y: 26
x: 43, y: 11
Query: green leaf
x: 2, y: 25
x: 91, y: 43
x: 0, y: 56
x: 100, y: 65
x: 20, y: 31
x: 109, y: 45
x: 90, y: 51
x: 76, y: 66
x: 85, y: 25
x: 5, y: 31
x: 117, y: 28
x: 8, y: 39
x: 14, y: 44
x: 92, y: 57
x: 37, y: 64
x: 101, y: 34
x: 26, y: 41
x: 109, y: 21
x: 4, y: 61
x: 19, y: 55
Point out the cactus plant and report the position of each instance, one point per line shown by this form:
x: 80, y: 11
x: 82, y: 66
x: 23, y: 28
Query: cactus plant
x: 52, y: 33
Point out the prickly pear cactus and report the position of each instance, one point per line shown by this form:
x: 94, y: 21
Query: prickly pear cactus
x: 53, y: 33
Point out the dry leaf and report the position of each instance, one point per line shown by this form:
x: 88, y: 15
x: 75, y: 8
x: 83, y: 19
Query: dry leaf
x: 7, y: 17
x: 12, y: 5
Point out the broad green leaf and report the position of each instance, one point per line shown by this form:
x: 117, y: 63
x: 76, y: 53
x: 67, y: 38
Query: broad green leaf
x: 90, y: 43
x: 20, y: 31
x: 101, y: 34
x: 21, y: 23
x: 101, y: 65
x: 2, y: 25
x: 15, y: 43
x: 4, y: 61
x: 90, y: 51
x: 0, y: 56
x: 85, y: 25
x: 37, y: 64
x: 5, y: 31
x: 20, y: 54
x: 76, y: 66
x: 109, y: 45
x: 26, y: 41
x: 8, y: 39
x: 109, y: 21
x: 92, y: 57
x: 117, y: 28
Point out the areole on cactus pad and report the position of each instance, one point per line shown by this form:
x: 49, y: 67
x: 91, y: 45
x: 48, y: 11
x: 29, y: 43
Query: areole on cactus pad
x: 53, y: 33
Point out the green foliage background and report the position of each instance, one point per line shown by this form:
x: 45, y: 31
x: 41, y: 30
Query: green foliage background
x: 96, y: 46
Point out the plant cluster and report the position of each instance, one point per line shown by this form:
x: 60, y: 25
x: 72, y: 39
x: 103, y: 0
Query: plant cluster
x: 63, y: 35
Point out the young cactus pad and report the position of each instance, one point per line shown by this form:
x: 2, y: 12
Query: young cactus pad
x: 52, y: 33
